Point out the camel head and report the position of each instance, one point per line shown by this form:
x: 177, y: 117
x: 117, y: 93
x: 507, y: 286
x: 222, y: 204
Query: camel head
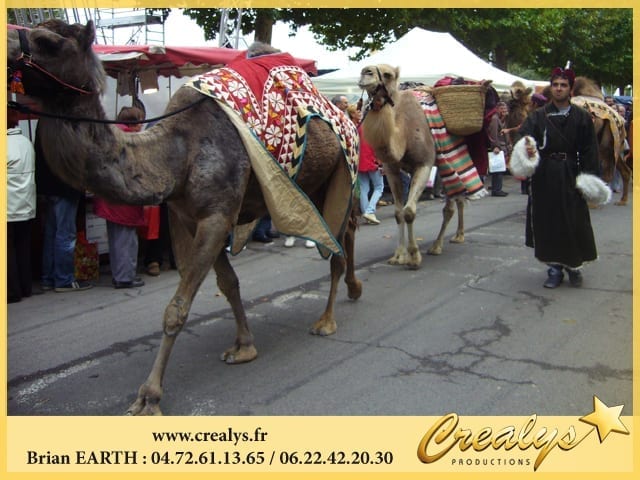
x: 54, y: 60
x: 381, y: 84
x: 519, y: 93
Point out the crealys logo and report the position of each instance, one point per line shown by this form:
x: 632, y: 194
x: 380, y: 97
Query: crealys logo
x: 446, y: 434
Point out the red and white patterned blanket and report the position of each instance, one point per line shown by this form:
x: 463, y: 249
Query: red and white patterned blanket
x: 276, y: 99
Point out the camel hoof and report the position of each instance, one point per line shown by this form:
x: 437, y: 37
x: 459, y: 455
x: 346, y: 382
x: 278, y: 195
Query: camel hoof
x: 457, y: 239
x: 621, y: 203
x: 399, y: 257
x: 239, y: 354
x: 354, y: 290
x: 324, y: 327
x: 148, y: 410
x: 435, y: 250
x: 394, y: 261
x: 415, y: 260
x: 145, y: 406
x: 148, y: 401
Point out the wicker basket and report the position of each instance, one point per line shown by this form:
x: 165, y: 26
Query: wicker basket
x: 461, y: 107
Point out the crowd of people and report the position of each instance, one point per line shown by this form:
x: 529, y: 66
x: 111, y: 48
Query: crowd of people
x: 555, y: 143
x: 33, y: 188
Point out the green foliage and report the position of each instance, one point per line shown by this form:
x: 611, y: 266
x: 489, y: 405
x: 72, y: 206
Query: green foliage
x: 597, y: 41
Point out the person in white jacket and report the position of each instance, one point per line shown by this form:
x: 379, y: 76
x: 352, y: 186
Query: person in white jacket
x: 21, y: 209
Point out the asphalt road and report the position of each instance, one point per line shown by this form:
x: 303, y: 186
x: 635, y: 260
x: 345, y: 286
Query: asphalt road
x: 473, y: 331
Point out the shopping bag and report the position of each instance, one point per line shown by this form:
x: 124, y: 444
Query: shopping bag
x: 151, y: 228
x: 86, y: 260
x: 432, y: 177
x: 497, y: 162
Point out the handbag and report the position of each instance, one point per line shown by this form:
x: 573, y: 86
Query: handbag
x: 497, y: 162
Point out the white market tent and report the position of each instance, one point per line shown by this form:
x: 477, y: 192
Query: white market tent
x: 422, y: 56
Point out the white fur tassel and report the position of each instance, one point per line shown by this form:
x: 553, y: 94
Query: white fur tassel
x: 521, y: 165
x: 593, y: 189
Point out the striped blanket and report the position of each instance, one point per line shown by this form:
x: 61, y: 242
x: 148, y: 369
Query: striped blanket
x: 459, y: 175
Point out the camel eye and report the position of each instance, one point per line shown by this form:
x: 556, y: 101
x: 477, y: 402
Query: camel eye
x: 388, y: 76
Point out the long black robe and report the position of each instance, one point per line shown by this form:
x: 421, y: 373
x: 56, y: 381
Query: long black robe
x: 558, y: 221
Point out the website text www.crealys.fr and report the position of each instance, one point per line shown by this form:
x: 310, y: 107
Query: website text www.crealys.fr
x: 229, y: 435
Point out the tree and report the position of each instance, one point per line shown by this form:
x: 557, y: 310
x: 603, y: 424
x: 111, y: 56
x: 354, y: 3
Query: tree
x: 598, y: 41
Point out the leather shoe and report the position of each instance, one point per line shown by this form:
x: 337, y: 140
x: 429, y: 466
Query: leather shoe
x: 554, y: 279
x: 135, y: 283
x: 575, y: 278
x: 499, y: 194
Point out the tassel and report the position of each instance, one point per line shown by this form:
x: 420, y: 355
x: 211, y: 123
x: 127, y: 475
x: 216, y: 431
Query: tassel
x: 16, y: 83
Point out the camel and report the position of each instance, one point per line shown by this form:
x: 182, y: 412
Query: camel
x: 195, y: 160
x: 610, y: 131
x: 519, y: 107
x: 396, y: 129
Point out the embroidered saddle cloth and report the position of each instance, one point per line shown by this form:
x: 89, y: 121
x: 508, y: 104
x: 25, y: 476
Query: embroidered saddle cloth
x: 271, y: 101
x: 597, y: 107
x: 459, y: 175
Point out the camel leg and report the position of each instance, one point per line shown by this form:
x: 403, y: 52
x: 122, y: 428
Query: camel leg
x: 447, y: 214
x: 354, y: 286
x: 418, y: 184
x: 243, y: 349
x: 625, y: 172
x: 208, y: 241
x: 459, y: 236
x: 326, y: 325
x: 399, y: 257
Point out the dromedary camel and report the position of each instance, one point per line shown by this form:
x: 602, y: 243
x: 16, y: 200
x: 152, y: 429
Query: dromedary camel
x: 610, y: 132
x: 519, y: 107
x: 195, y: 160
x: 395, y: 127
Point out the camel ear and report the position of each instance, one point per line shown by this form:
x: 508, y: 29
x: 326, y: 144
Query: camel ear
x: 397, y: 72
x: 528, y: 91
x: 88, y: 36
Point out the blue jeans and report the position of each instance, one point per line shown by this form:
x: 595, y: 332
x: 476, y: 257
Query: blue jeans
x: 366, y: 179
x: 59, y: 241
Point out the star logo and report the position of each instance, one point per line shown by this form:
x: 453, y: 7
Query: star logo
x: 605, y: 419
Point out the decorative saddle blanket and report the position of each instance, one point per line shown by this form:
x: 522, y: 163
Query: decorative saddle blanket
x: 459, y: 175
x: 276, y: 100
x: 601, y: 110
x: 271, y: 101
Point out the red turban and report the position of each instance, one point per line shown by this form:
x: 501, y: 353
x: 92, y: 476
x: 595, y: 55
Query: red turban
x: 564, y: 73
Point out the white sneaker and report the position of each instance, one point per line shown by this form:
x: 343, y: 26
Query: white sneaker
x: 371, y: 218
x: 309, y: 244
x: 289, y: 241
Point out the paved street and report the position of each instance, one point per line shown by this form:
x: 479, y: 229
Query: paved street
x: 473, y: 331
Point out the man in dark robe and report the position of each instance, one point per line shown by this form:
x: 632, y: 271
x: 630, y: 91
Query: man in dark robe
x: 558, y: 221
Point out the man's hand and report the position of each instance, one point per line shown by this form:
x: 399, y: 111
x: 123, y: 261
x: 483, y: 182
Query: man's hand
x: 530, y: 146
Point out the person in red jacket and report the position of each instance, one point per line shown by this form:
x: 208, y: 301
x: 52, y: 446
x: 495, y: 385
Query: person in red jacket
x: 122, y: 222
x: 369, y: 173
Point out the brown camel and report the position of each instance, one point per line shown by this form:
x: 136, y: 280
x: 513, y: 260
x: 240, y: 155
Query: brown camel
x: 519, y: 107
x: 396, y: 129
x: 194, y: 159
x: 610, y: 131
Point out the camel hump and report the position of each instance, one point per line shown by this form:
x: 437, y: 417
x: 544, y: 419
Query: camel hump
x: 584, y: 86
x: 257, y: 49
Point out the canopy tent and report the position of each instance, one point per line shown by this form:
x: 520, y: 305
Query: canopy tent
x: 422, y: 56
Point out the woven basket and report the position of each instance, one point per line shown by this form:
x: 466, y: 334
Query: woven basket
x: 461, y: 107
